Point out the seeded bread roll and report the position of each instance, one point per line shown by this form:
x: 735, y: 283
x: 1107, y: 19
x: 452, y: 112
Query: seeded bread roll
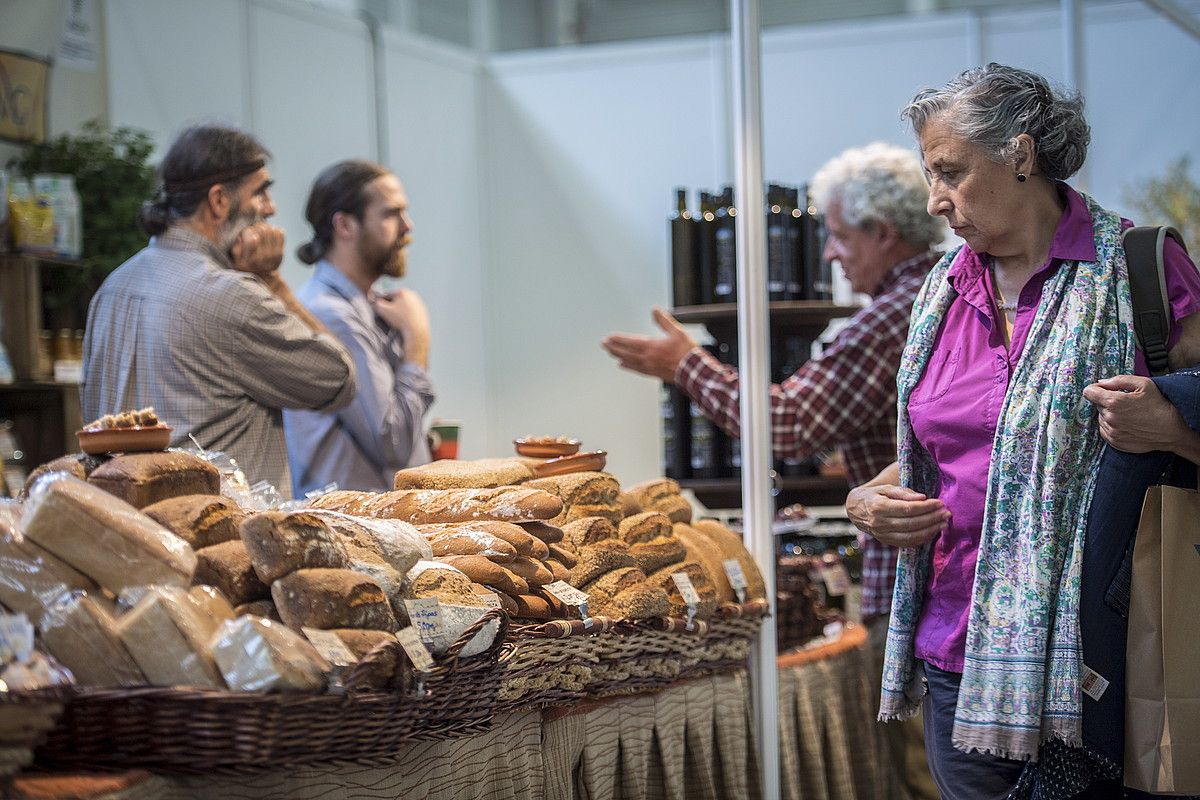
x: 144, y: 478
x: 431, y: 506
x: 647, y: 493
x: 730, y: 545
x: 332, y: 598
x: 228, y: 567
x: 450, y: 541
x: 677, y: 508
x: 610, y: 512
x: 103, y: 537
x: 580, y: 488
x: 629, y: 504
x: 258, y: 655
x: 643, y: 601
x: 201, y: 520
x: 699, y: 578
x: 534, y: 572
x: 361, y: 641
x: 484, y: 473
x: 617, y: 580
x: 563, y: 556
x: 488, y: 573
x: 588, y: 530
x: 662, y: 551
x: 395, y: 541
x: 644, y: 527
x: 258, y: 608
x: 597, y: 559
x: 550, y: 534
x: 81, y: 633
x: 32, y: 579
x: 281, y: 542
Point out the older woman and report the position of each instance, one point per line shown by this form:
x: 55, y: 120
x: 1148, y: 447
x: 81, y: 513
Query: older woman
x: 997, y: 445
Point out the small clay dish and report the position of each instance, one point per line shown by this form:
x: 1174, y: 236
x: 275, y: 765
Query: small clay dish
x: 593, y: 461
x: 546, y: 446
x: 98, y: 441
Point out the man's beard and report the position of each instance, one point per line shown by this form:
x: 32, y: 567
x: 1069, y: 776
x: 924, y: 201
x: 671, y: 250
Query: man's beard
x: 391, y: 263
x: 233, y: 226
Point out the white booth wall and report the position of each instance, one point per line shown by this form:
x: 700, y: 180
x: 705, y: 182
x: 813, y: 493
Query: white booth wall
x: 540, y: 180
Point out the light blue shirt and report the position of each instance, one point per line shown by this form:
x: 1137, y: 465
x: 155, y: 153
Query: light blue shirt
x: 382, y: 430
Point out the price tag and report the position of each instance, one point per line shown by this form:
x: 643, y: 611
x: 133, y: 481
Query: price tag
x: 426, y: 617
x: 837, y: 580
x: 16, y: 638
x: 737, y: 578
x: 418, y: 653
x: 570, y: 596
x: 688, y: 592
x: 1093, y: 683
x: 330, y: 646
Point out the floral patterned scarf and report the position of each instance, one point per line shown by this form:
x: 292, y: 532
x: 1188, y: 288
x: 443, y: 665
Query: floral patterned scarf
x: 1021, y: 673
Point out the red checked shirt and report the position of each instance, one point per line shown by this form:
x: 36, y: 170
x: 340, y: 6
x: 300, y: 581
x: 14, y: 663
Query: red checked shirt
x: 846, y: 398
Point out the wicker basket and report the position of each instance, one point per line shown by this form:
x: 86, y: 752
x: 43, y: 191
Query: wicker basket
x: 552, y: 663
x: 209, y: 731
x: 25, y: 719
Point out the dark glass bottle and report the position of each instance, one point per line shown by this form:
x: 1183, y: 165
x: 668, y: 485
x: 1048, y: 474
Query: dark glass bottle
x: 819, y: 276
x: 677, y: 433
x: 725, y: 286
x: 706, y: 244
x: 777, y: 256
x: 794, y: 251
x: 703, y: 455
x: 683, y: 253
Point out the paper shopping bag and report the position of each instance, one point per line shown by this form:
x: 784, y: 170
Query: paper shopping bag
x: 1162, y: 705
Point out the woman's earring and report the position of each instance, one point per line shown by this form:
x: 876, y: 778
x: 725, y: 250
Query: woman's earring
x: 1021, y: 177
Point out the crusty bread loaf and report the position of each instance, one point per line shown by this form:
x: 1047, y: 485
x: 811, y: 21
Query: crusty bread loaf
x: 531, y: 606
x: 558, y: 570
x: 484, y: 473
x: 700, y: 550
x: 643, y: 601
x: 360, y: 641
x: 730, y: 545
x: 228, y: 567
x: 395, y: 541
x: 588, y: 530
x: 550, y: 534
x: 644, y: 527
x: 367, y: 562
x: 80, y: 632
x: 31, y: 578
x: 597, y: 559
x: 580, y: 488
x: 676, y: 507
x: 534, y: 572
x: 662, y: 494
x: 448, y: 540
x: 80, y: 465
x: 488, y: 573
x: 610, y: 512
x: 443, y: 581
x: 563, y: 556
x: 201, y: 520
x: 614, y: 581
x: 168, y: 637
x: 103, y: 537
x: 281, y: 542
x: 258, y: 655
x: 430, y: 506
x: 662, y: 551
x: 144, y: 478
x: 520, y: 542
x: 332, y: 598
x: 629, y: 504
x: 699, y: 578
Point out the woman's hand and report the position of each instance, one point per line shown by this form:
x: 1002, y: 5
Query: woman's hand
x: 894, y: 515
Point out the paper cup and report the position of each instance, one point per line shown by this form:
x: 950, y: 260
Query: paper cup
x: 443, y: 438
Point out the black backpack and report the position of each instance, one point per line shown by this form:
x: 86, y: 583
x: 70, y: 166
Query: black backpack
x: 1148, y: 290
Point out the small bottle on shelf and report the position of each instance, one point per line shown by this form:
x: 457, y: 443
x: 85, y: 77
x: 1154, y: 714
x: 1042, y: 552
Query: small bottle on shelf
x: 683, y: 229
x: 706, y: 246
x: 725, y: 233
x: 794, y: 251
x: 777, y: 255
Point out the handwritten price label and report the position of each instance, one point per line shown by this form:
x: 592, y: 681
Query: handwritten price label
x: 418, y: 653
x: 737, y: 578
x: 426, y: 617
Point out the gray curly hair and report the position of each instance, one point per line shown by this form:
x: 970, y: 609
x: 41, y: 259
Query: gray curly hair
x: 879, y: 183
x: 991, y: 106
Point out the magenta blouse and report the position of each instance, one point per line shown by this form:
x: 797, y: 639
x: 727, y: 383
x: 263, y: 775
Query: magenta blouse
x: 955, y: 407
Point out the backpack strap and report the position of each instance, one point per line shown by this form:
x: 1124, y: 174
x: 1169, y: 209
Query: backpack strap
x: 1148, y: 289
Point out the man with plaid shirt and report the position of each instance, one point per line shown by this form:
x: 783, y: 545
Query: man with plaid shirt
x: 874, y: 202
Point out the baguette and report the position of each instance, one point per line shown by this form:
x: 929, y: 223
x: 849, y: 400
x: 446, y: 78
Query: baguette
x: 431, y: 506
x: 141, y: 479
x: 452, y: 541
x: 488, y: 573
x: 550, y: 534
x: 535, y: 573
x: 562, y: 556
x: 523, y: 543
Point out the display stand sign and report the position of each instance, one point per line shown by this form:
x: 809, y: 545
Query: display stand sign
x: 23, y: 80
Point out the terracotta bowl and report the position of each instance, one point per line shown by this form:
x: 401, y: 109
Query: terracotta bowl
x: 546, y: 446
x: 124, y: 440
x: 579, y: 462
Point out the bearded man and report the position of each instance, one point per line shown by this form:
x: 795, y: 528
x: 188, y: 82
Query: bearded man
x: 200, y: 325
x: 359, y: 215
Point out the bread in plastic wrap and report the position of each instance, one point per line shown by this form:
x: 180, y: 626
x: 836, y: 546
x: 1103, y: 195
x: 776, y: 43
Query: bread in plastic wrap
x: 39, y: 671
x: 167, y: 634
x: 258, y: 655
x: 103, y: 537
x: 395, y: 541
x: 31, y: 579
x: 81, y: 633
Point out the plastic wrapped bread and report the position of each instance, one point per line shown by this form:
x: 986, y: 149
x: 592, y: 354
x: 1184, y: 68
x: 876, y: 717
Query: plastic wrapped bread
x: 81, y: 634
x: 167, y: 635
x: 395, y: 541
x: 31, y: 579
x: 257, y: 655
x: 280, y: 543
x: 103, y: 537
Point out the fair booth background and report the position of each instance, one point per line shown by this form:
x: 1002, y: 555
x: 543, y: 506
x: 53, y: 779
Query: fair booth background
x: 540, y: 180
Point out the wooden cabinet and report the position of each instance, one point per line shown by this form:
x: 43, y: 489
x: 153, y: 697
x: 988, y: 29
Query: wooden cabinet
x: 805, y: 319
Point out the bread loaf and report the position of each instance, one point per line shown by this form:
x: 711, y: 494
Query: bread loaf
x: 201, y: 520
x: 488, y: 573
x: 280, y: 543
x: 597, y: 559
x: 79, y: 465
x: 396, y: 542
x: 31, y: 579
x: 530, y: 606
x: 657, y: 553
x: 360, y: 641
x: 610, y: 512
x: 617, y: 580
x: 580, y: 488
x: 644, y: 527
x: 212, y: 606
x: 81, y: 634
x: 535, y: 573
x: 643, y: 601
x: 588, y: 530
x: 562, y: 556
x: 662, y: 495
x: 522, y: 543
x: 699, y: 578
x: 258, y: 608
x: 438, y: 579
x: 629, y: 504
x: 332, y: 598
x: 258, y: 655
x: 558, y: 570
x: 485, y: 473
x: 430, y: 506
x: 550, y: 534
x: 227, y: 566
x: 103, y: 537
x: 144, y: 478
x: 167, y: 637
x: 729, y: 545
x: 367, y: 562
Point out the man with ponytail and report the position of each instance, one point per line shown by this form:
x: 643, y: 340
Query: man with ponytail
x: 359, y: 215
x: 200, y: 325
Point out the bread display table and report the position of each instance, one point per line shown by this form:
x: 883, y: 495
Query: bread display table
x: 693, y: 739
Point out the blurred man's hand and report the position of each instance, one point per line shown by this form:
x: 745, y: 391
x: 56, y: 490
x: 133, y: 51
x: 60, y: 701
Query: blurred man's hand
x: 658, y: 358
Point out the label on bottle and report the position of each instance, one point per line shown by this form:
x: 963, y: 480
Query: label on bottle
x: 737, y: 578
x: 418, y: 653
x: 332, y: 648
x: 426, y: 617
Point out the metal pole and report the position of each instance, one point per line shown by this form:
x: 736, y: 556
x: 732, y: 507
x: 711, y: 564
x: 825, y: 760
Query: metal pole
x: 1070, y: 12
x: 754, y: 374
x: 1178, y: 14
